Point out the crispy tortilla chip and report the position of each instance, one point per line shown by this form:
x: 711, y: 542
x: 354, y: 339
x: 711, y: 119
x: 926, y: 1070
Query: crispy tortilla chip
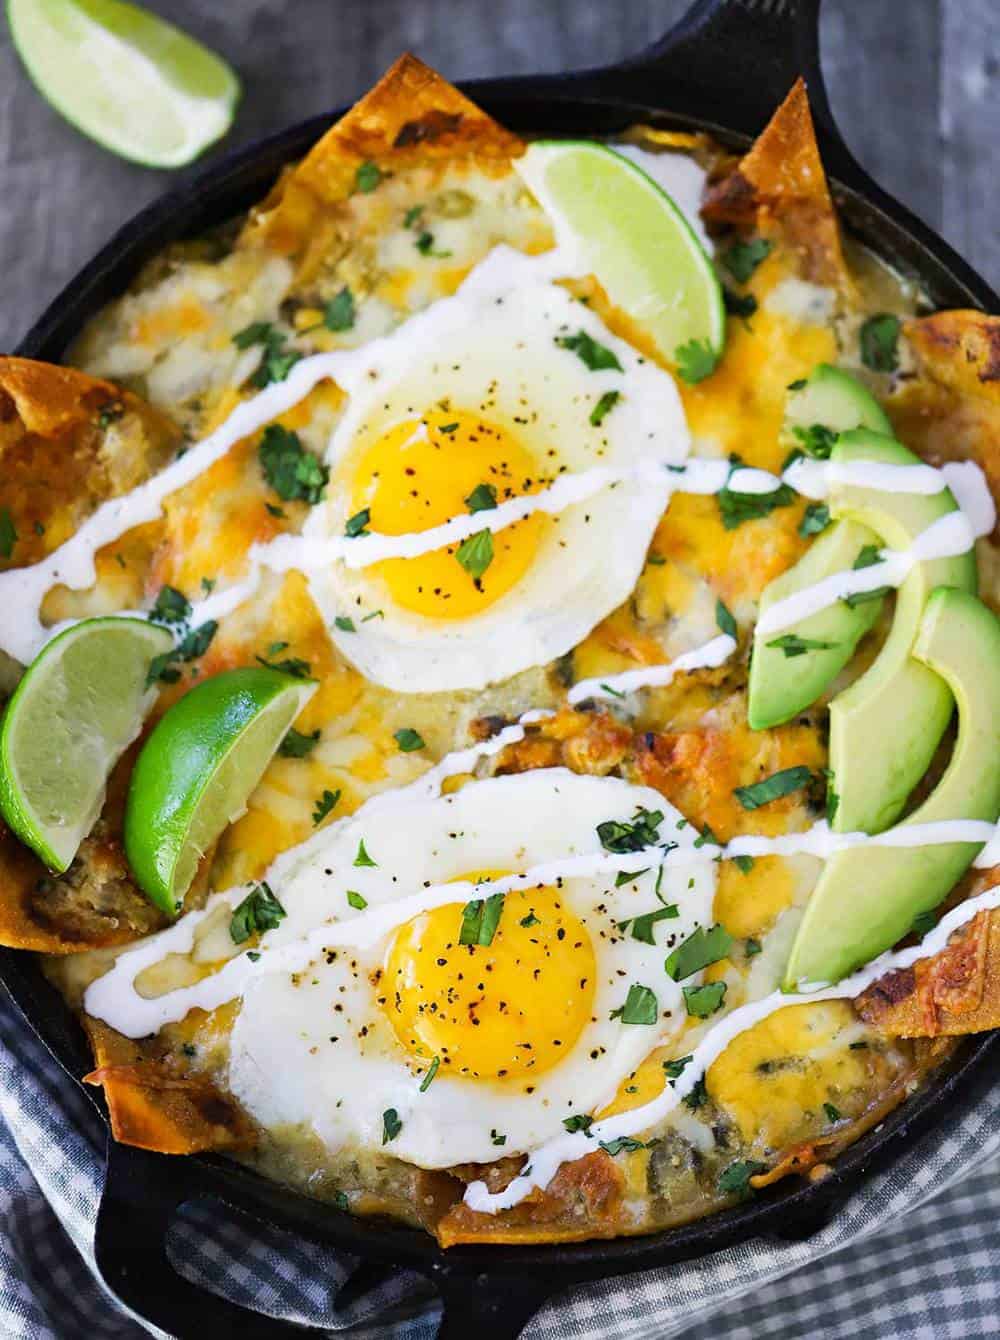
x: 960, y: 350
x: 954, y: 992
x: 411, y: 116
x: 154, y: 1105
x: 780, y: 184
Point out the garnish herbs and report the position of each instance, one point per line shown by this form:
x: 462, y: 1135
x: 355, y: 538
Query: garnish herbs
x: 779, y: 784
x: 529, y: 921
x: 291, y: 471
x: 641, y: 1006
x: 326, y: 802
x: 476, y: 553
x: 593, y: 355
x: 480, y: 919
x: 815, y: 519
x: 425, y: 245
x: 739, y: 304
x: 408, y: 740
x: 725, y: 620
x: 297, y: 745
x: 751, y: 947
x: 698, y: 1096
x: 793, y: 645
x: 832, y: 1113
x: 619, y: 836
x: 695, y: 361
x: 817, y: 440
x: 604, y: 407
x: 674, y: 1069
x: 291, y: 665
x: 483, y: 498
x: 355, y: 900
x: 578, y: 1122
x: 362, y: 857
x: 870, y: 555
x: 744, y: 864
x: 701, y: 948
x: 357, y: 523
x: 432, y: 1070
x: 277, y: 361
x: 171, y: 606
x: 642, y: 925
x: 260, y: 910
x: 391, y: 1125
x: 701, y: 1001
x: 880, y: 342
x: 8, y: 533
x: 742, y: 258
x: 339, y: 313
x: 192, y: 645
x: 735, y: 1180
x: 620, y: 1144
x: 367, y: 177
x: 735, y: 508
x: 344, y: 623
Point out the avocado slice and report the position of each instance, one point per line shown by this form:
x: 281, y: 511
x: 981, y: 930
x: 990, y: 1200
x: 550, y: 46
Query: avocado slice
x: 885, y: 728
x: 868, y: 897
x: 789, y: 671
x: 781, y: 684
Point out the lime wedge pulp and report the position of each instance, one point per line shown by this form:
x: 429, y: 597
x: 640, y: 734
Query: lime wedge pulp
x: 195, y: 772
x: 628, y: 232
x: 78, y: 707
x: 128, y: 79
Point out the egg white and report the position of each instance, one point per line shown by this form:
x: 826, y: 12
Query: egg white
x: 494, y: 343
x: 286, y: 1069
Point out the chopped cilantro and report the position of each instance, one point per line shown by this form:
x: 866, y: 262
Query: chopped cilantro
x: 289, y: 469
x: 345, y: 624
x: 627, y: 876
x: 739, y: 304
x: 742, y: 258
x: 432, y: 1070
x: 698, y: 1096
x: 480, y: 919
x: 529, y: 920
x: 391, y: 1125
x: 641, y: 1006
x: 880, y: 342
x: 815, y: 519
x: 578, y: 1122
x: 735, y: 1180
x: 725, y: 620
x: 751, y: 947
x: 642, y: 925
x: 701, y: 1001
x: 832, y: 1113
x: 674, y: 1069
x: 923, y: 923
x: 259, y: 911
x: 476, y: 553
x: 362, y: 858
x: 193, y: 644
x: 367, y: 177
x: 274, y: 510
x: 615, y: 693
x: 604, y: 407
x: 832, y: 804
x: 291, y: 665
x: 425, y: 245
x: 483, y: 498
x: 593, y: 355
x: 339, y: 313
x: 357, y: 523
x: 799, y: 384
x: 497, y: 1139
x: 620, y: 1144
x: 817, y: 440
x: 870, y: 555
x: 297, y: 745
x: 641, y: 831
x: 355, y: 900
x: 736, y: 508
x: 779, y: 784
x: 341, y: 1201
x: 412, y: 215
x: 695, y: 361
x: 793, y: 645
x: 276, y: 361
x: 409, y: 740
x: 744, y: 864
x: 701, y: 948
x: 170, y: 607
x: 325, y: 803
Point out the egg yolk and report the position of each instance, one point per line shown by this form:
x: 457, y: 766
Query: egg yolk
x: 505, y: 1011
x: 423, y: 472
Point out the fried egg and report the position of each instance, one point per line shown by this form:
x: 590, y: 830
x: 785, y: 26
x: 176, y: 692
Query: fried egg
x: 501, y: 391
x: 399, y: 1036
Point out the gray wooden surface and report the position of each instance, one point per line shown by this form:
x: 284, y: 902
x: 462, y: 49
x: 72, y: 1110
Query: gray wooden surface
x: 913, y: 83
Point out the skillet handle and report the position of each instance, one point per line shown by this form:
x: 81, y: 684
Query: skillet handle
x: 142, y: 1191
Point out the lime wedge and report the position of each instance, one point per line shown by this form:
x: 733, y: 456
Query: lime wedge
x: 78, y: 707
x: 195, y: 772
x: 131, y: 81
x: 624, y: 229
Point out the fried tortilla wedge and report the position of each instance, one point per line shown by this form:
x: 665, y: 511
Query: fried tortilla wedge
x: 411, y: 116
x: 954, y: 992
x: 68, y: 441
x: 780, y: 184
x: 959, y: 349
x: 154, y: 1105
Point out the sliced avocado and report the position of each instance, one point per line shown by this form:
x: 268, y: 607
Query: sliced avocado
x: 833, y: 399
x: 790, y: 670
x: 885, y: 728
x: 783, y: 685
x: 868, y: 897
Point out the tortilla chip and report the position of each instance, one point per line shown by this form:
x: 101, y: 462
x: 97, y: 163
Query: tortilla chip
x: 411, y: 116
x: 960, y: 350
x: 154, y: 1105
x: 955, y: 991
x: 781, y: 185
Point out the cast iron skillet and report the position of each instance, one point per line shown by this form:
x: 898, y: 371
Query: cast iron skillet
x: 723, y: 68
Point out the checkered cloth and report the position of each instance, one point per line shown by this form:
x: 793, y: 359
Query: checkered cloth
x: 913, y: 1256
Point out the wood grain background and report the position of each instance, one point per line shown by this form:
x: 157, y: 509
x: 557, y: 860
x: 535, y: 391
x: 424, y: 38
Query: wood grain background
x: 913, y: 84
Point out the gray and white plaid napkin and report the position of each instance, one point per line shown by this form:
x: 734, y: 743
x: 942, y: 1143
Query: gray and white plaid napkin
x: 913, y: 1256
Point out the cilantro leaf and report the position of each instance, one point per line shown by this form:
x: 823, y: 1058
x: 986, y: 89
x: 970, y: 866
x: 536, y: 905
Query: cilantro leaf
x: 8, y: 533
x: 725, y: 620
x: 817, y: 440
x: 344, y: 623
x: 362, y: 858
x: 391, y: 1125
x: 259, y: 911
x: 171, y: 606
x: 355, y: 900
x: 735, y: 1180
x: 744, y: 864
x: 291, y: 665
x: 325, y: 803
x: 593, y: 355
x: 367, y: 177
x: 815, y: 519
x: 698, y: 1096
x: 793, y: 645
x: 742, y: 258
x: 409, y: 740
x: 869, y: 555
x: 578, y: 1122
x: 642, y: 925
x: 432, y: 1070
x: 701, y: 948
x: 297, y: 745
x: 880, y: 342
x: 480, y: 919
x: 641, y: 1006
x: 357, y: 524
x: 674, y: 1069
x: 619, y: 836
x: 832, y: 1113
x: 771, y: 788
x: 289, y: 469
x: 743, y: 305
x: 476, y: 553
x: 736, y: 508
x: 604, y: 407
x: 339, y: 313
x: 620, y: 1144
x: 277, y: 361
x: 701, y: 1001
x: 425, y: 245
x: 483, y: 498
x: 695, y: 361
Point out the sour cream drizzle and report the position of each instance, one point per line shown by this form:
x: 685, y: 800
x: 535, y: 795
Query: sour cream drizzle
x: 710, y: 655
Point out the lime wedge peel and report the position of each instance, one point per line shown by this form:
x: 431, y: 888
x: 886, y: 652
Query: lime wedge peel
x: 74, y: 713
x: 197, y: 769
x: 620, y: 225
x: 125, y: 77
